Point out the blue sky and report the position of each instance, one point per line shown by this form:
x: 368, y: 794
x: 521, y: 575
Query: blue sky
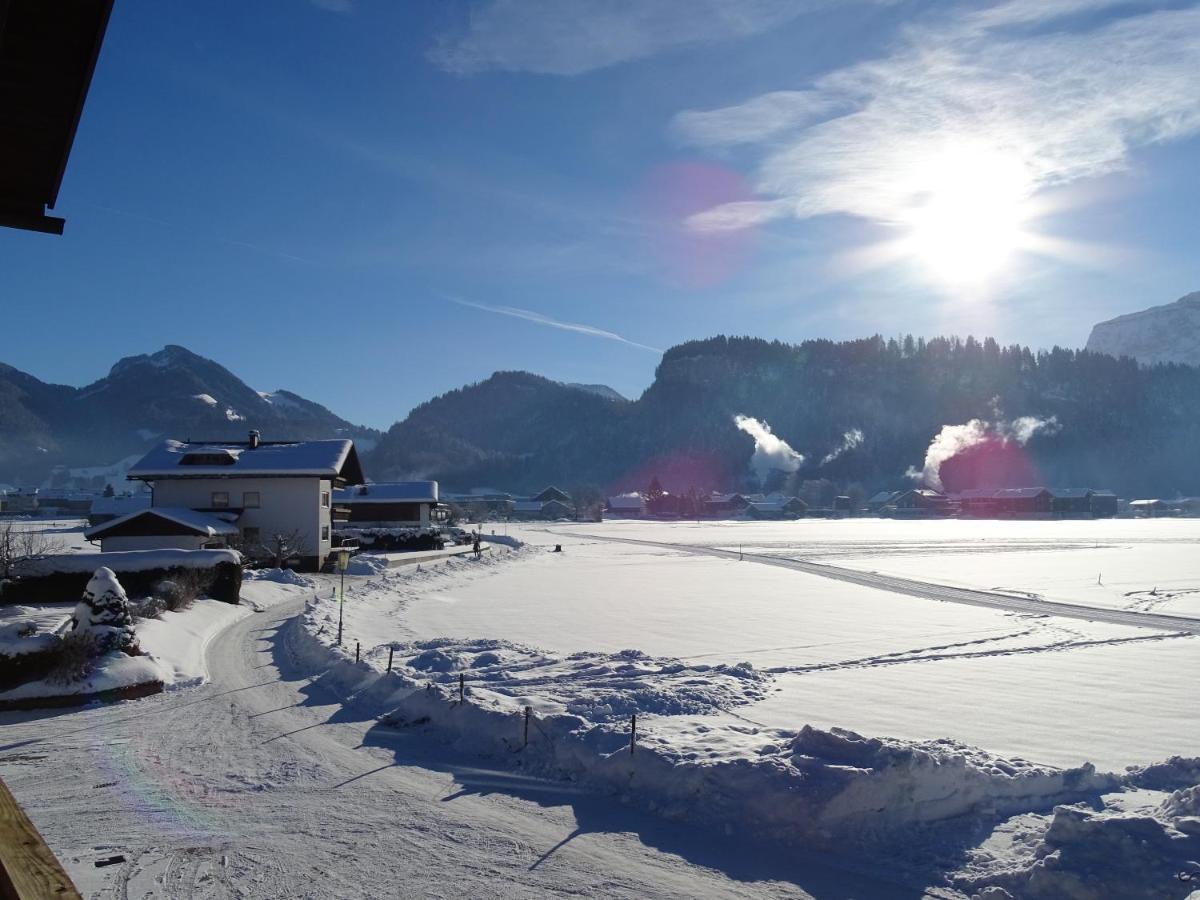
x: 371, y: 202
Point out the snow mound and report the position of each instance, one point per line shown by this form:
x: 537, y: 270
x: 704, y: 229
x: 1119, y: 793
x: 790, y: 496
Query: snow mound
x: 279, y: 576
x: 1176, y: 772
x: 816, y: 788
x: 367, y: 564
x: 1090, y: 855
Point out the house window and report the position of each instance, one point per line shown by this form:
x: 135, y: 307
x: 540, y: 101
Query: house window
x: 324, y: 532
x: 250, y: 537
x: 324, y: 499
x: 250, y: 500
x: 220, y: 499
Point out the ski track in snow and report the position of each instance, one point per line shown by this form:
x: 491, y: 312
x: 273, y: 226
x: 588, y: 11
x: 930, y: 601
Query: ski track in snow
x: 262, y: 784
x: 1019, y: 603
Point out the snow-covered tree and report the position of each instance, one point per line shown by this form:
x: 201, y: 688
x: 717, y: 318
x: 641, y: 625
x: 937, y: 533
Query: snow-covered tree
x: 104, y: 613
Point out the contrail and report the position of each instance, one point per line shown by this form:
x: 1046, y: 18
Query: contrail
x: 539, y: 319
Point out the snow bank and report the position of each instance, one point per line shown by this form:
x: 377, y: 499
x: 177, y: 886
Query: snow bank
x: 112, y: 672
x: 19, y: 637
x: 814, y: 787
x: 367, y: 564
x: 128, y: 561
x: 1087, y: 854
x: 177, y: 641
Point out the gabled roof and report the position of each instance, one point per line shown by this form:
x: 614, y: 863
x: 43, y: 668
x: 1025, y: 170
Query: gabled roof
x: 203, y: 524
x: 527, y: 506
x: 319, y: 459
x: 388, y: 492
x: 884, y: 496
x: 976, y: 494
x: 1072, y: 493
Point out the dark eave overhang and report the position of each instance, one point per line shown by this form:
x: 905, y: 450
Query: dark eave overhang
x: 48, y: 51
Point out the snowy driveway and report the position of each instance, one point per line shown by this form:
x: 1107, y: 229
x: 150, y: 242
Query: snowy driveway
x: 260, y: 784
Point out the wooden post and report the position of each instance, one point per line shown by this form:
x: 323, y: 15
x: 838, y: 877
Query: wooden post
x: 357, y: 647
x: 632, y: 733
x: 391, y: 650
x: 28, y: 868
x: 462, y: 688
x: 528, y: 712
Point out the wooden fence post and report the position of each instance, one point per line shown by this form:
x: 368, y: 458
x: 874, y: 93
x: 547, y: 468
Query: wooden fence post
x: 528, y: 712
x: 632, y: 733
x: 462, y: 688
x: 357, y: 647
x: 391, y: 650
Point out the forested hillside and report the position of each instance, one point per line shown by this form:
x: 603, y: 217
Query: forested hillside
x: 1110, y: 423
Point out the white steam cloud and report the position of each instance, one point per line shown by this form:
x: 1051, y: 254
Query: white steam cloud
x: 954, y: 439
x: 850, y: 440
x: 770, y: 450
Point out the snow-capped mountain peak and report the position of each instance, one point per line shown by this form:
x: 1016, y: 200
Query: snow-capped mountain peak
x: 1160, y: 334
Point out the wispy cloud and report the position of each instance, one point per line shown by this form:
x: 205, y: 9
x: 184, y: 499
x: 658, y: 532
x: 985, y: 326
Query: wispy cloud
x: 538, y: 319
x: 569, y: 37
x: 1066, y: 88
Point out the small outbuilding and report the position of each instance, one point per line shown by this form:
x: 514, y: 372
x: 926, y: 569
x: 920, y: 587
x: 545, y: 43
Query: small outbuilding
x: 165, y: 527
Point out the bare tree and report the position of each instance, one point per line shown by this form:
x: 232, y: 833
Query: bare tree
x: 282, y: 546
x: 20, y: 541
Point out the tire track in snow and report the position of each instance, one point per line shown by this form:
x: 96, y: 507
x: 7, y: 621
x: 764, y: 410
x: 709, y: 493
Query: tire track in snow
x: 929, y: 590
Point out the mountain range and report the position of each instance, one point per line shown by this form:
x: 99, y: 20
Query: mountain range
x: 871, y: 413
x: 142, y: 400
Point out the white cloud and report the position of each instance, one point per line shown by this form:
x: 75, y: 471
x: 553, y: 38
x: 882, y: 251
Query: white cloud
x: 569, y: 37
x: 538, y: 319
x: 1065, y: 100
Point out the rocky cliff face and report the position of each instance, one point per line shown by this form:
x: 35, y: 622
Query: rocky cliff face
x: 1161, y: 334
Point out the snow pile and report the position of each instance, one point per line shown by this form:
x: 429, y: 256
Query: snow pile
x: 279, y: 576
x: 367, y: 564
x: 1097, y: 855
x: 21, y: 636
x: 1176, y: 772
x: 831, y: 788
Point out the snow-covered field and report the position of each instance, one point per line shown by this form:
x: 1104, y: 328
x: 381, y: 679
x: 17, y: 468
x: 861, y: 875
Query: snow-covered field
x: 1057, y: 690
x: 744, y: 673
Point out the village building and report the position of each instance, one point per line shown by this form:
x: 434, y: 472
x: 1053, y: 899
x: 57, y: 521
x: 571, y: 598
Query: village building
x: 724, y: 506
x: 629, y: 506
x: 395, y: 504
x: 877, y: 502
x: 274, y: 492
x: 1024, y: 503
x: 551, y: 493
x: 165, y: 527
x: 20, y: 502
x: 917, y: 503
x: 785, y: 508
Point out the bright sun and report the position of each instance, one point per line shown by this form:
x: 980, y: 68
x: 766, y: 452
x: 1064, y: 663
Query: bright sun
x: 969, y: 219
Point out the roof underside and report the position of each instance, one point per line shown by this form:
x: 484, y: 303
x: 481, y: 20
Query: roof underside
x: 47, y: 53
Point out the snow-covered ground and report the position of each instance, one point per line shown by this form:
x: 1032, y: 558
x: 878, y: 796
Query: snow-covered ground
x: 1058, y: 690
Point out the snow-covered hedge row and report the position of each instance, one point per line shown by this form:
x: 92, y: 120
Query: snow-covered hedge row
x: 809, y: 786
x: 218, y: 573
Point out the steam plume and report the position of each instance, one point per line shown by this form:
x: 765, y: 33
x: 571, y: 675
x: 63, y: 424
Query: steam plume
x: 850, y: 440
x: 770, y: 451
x: 954, y: 439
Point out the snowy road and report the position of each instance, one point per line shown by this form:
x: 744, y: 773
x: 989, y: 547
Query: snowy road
x: 260, y: 784
x: 914, y: 588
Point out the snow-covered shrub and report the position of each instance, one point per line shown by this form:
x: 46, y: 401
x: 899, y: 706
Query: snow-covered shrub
x: 75, y: 658
x: 178, y: 592
x: 104, y: 613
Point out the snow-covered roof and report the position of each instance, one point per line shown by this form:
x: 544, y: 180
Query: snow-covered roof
x: 177, y: 459
x: 883, y: 496
x: 769, y: 506
x: 388, y: 492
x: 207, y: 524
x: 528, y: 505
x: 1072, y: 493
x: 1146, y: 503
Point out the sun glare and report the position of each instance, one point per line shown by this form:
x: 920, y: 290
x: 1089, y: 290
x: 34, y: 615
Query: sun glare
x: 970, y: 215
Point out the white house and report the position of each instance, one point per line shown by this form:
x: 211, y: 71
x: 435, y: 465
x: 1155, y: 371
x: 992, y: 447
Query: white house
x: 264, y: 489
x: 396, y: 504
x: 631, y: 506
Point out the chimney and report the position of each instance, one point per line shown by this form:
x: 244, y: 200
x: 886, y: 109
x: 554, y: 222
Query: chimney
x: 254, y: 436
